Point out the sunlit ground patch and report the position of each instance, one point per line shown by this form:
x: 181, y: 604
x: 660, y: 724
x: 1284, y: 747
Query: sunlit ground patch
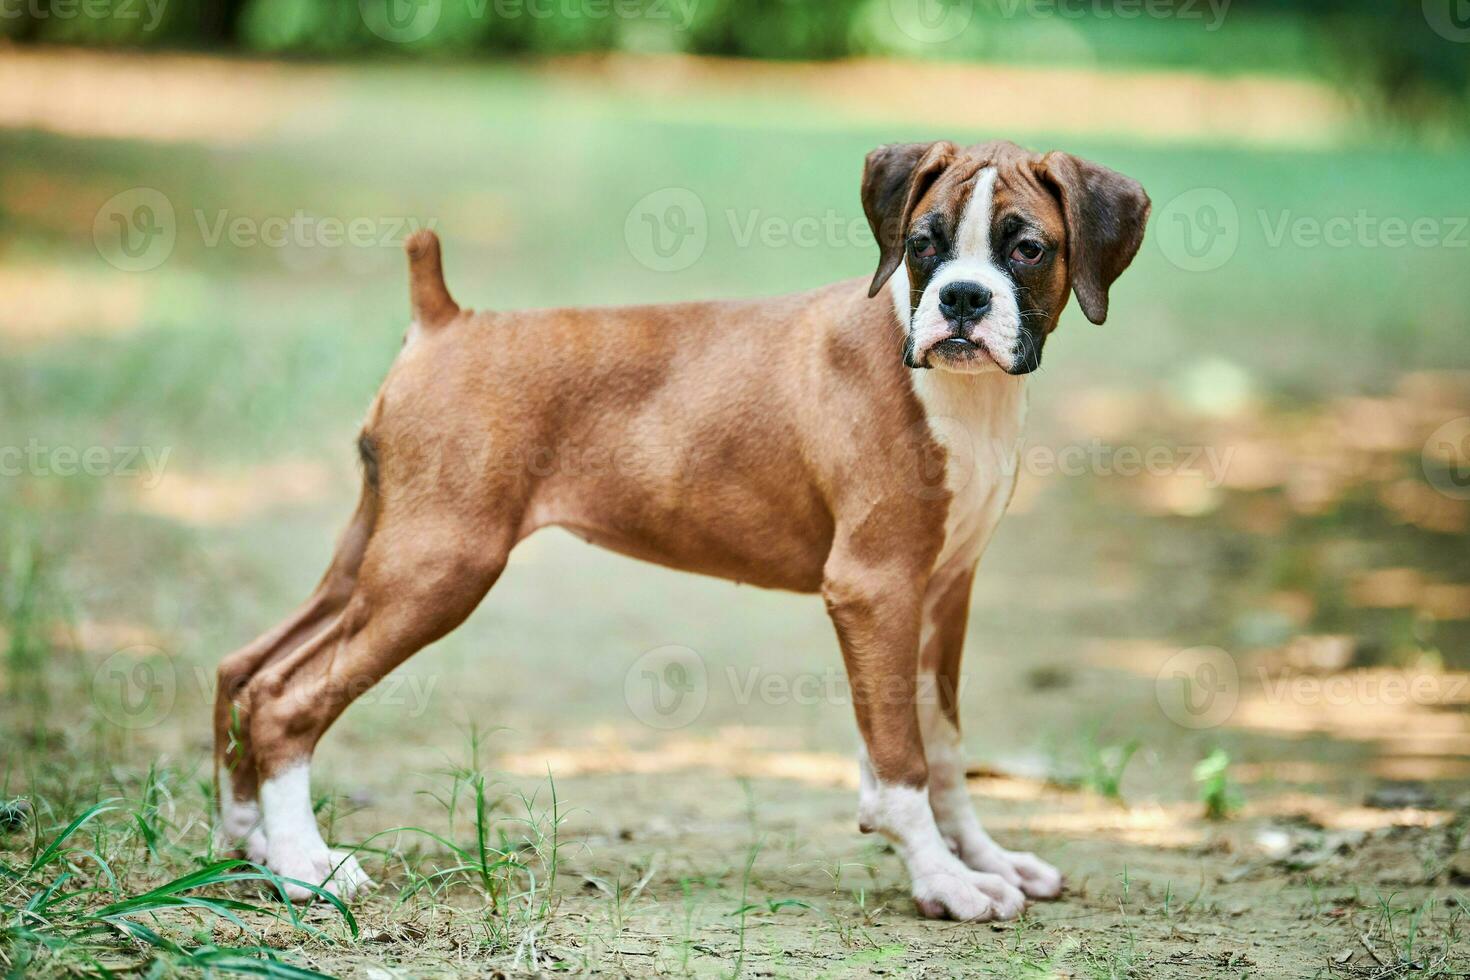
x: 155, y: 98
x: 213, y: 499
x: 45, y: 301
x: 1183, y: 106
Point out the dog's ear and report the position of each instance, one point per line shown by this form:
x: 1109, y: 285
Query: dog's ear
x: 895, y: 176
x: 1106, y: 213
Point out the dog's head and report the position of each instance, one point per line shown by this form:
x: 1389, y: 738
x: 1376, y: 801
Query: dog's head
x: 991, y: 238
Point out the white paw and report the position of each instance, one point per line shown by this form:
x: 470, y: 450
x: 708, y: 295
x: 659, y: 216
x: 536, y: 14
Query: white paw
x: 1025, y: 871
x: 335, y: 871
x: 966, y: 895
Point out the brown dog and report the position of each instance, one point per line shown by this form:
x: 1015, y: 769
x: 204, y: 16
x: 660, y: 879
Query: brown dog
x: 795, y: 443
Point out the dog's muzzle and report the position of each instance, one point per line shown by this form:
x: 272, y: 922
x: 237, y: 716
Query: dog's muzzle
x: 957, y: 347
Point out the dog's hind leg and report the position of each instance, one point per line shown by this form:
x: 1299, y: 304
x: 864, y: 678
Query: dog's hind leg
x: 418, y: 581
x: 239, y: 826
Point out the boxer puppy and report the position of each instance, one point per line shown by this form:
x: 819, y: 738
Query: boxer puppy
x: 855, y: 441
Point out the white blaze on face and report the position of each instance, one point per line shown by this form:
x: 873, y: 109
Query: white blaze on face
x: 1000, y: 329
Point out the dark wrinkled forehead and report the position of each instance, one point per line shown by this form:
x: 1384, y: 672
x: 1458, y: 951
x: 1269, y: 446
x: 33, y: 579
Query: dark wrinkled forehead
x: 1017, y: 186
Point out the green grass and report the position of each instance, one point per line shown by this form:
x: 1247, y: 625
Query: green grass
x: 63, y: 906
x: 1216, y: 791
x: 130, y: 881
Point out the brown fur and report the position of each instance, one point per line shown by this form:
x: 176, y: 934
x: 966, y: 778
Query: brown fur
x: 628, y: 427
x: 775, y: 441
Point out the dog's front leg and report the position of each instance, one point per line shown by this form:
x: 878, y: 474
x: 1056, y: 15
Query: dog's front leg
x: 946, y: 609
x: 877, y: 611
x: 954, y: 813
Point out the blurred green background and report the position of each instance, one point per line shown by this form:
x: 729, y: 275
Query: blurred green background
x: 1391, y: 53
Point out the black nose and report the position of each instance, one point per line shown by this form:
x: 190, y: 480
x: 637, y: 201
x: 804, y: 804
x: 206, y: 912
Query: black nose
x: 963, y: 300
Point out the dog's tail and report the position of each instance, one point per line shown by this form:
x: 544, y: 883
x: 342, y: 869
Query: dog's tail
x: 428, y: 296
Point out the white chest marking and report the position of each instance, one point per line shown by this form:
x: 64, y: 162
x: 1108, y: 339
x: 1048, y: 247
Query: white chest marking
x: 979, y: 420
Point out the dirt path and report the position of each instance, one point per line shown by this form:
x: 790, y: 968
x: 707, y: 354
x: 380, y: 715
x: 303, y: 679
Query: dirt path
x: 183, y: 98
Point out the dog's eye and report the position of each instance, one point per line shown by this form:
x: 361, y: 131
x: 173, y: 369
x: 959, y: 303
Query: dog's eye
x: 922, y: 248
x: 1028, y: 253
